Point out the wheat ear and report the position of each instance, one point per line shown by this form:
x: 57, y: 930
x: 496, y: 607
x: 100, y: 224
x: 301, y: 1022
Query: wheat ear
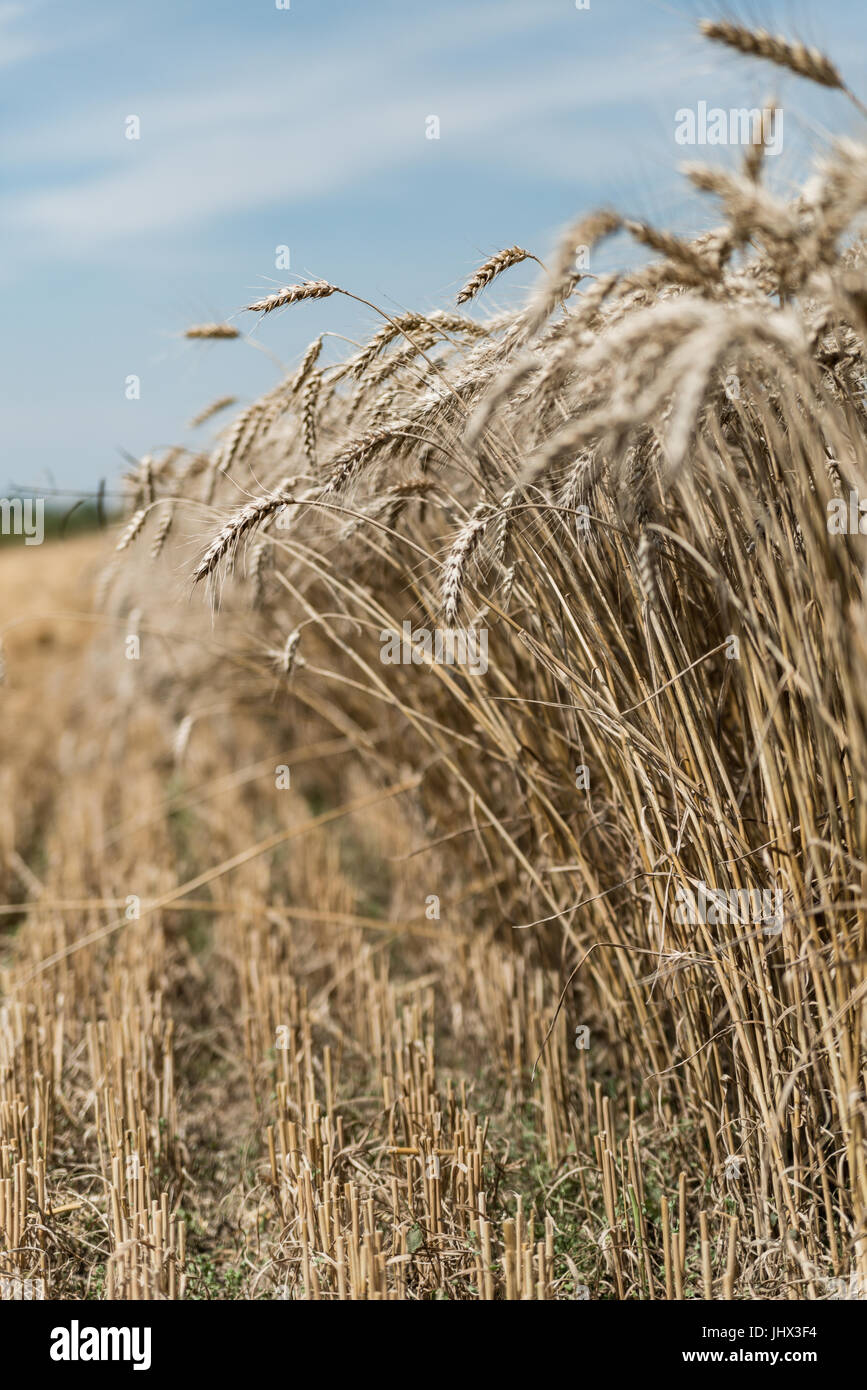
x: 221, y: 403
x: 564, y: 275
x: 291, y: 294
x: 785, y: 53
x: 137, y: 521
x: 309, y: 400
x: 162, y: 531
x: 350, y: 461
x: 513, y: 255
x: 758, y: 43
x: 246, y: 519
x: 455, y: 568
x: 212, y: 330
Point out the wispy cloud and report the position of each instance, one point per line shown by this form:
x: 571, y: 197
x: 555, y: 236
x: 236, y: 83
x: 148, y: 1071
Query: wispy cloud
x: 249, y: 139
x: 18, y: 40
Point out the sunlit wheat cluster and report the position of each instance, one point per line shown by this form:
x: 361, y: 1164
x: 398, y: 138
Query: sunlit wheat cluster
x: 418, y: 1018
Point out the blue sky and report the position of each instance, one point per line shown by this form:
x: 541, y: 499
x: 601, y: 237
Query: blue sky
x: 306, y: 127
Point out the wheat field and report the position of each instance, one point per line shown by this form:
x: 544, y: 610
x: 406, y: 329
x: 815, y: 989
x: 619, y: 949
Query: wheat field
x: 434, y: 824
